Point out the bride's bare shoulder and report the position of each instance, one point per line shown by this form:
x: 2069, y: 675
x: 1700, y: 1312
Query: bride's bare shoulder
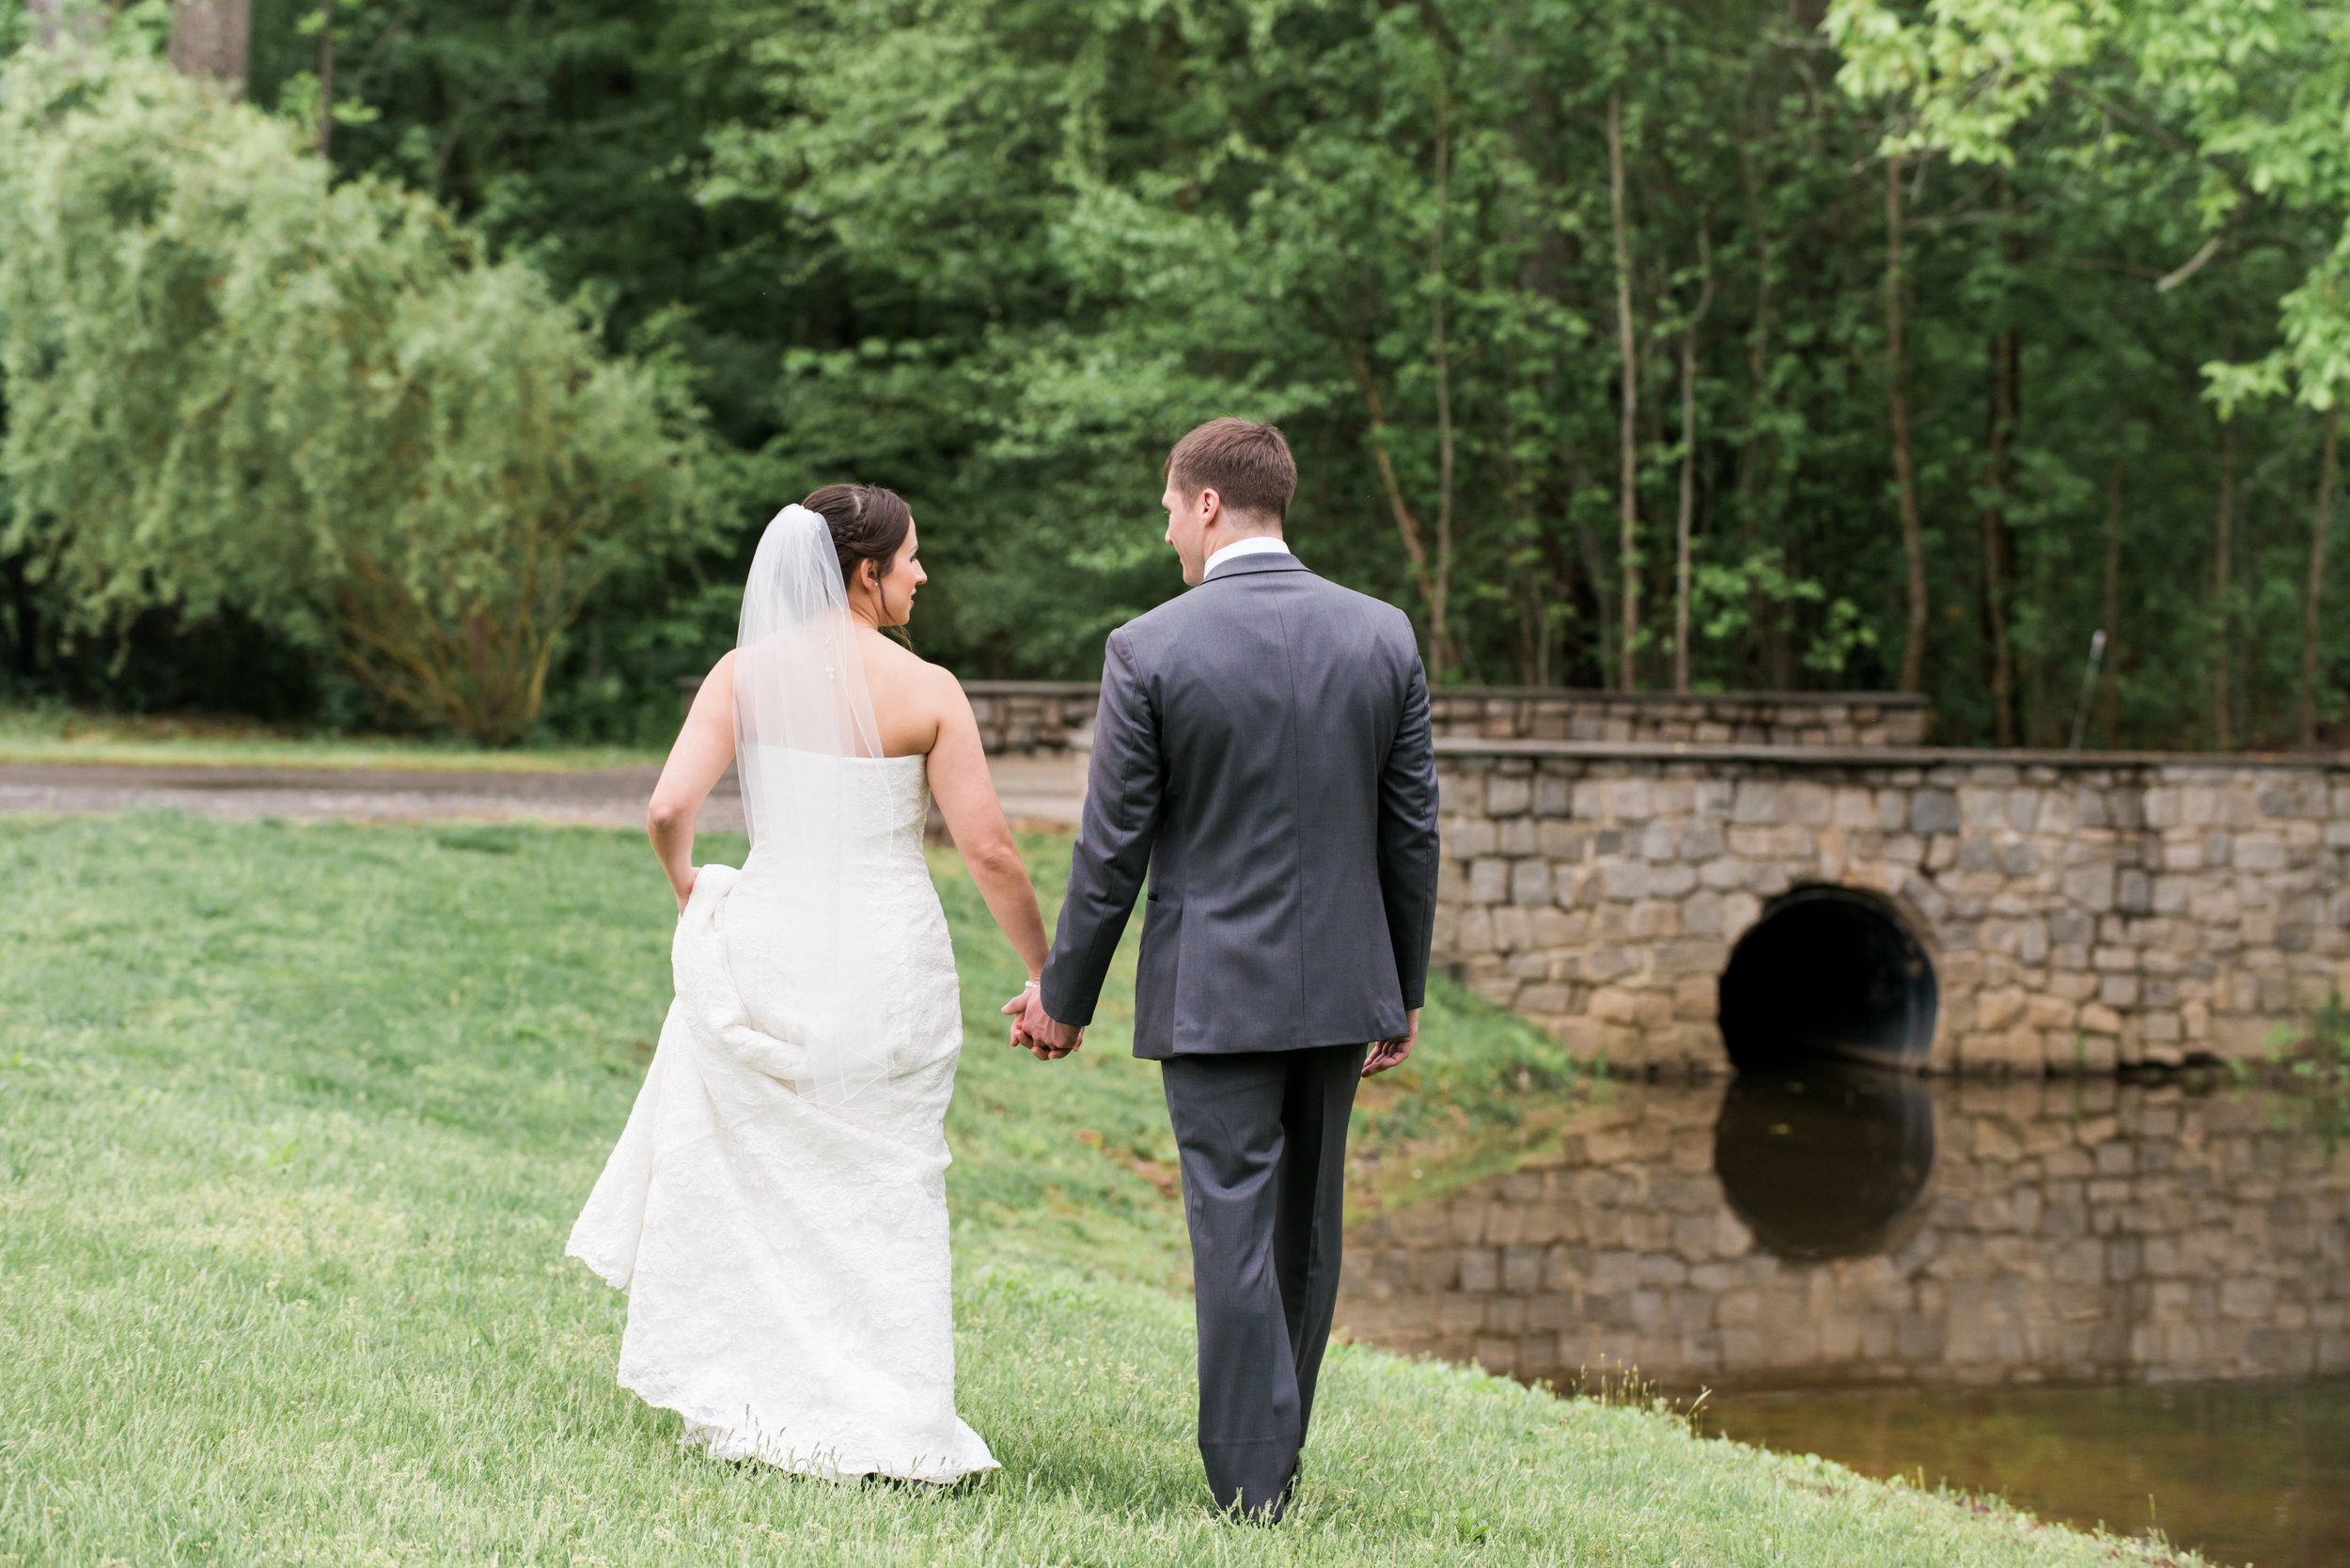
x: 890, y: 663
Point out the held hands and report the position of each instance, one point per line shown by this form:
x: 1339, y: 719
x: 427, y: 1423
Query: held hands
x: 1048, y: 1038
x: 1390, y: 1053
x: 1045, y: 1037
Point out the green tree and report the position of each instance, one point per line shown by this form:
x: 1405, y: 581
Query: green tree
x: 229, y: 386
x: 2246, y: 97
x: 1917, y: 390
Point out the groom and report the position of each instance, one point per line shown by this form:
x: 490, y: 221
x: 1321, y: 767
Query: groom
x: 1264, y: 751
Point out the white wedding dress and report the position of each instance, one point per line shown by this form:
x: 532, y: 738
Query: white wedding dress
x: 777, y: 1207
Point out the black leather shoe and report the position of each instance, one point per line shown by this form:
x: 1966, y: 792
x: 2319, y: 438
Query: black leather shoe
x: 1280, y: 1507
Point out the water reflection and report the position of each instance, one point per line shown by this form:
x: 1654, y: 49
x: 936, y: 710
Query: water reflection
x: 1900, y: 1272
x: 1826, y: 1164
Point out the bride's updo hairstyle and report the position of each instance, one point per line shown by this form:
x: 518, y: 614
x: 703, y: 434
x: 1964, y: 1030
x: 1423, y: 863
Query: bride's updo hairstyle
x: 867, y: 524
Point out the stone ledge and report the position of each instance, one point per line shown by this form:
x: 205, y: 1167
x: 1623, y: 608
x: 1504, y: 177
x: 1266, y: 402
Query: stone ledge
x: 1879, y: 756
x: 1598, y: 695
x: 1080, y: 689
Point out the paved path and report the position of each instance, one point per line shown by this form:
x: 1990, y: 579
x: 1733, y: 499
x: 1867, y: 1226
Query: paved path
x: 1041, y: 792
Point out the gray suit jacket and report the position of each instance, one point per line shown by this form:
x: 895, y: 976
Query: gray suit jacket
x: 1264, y: 751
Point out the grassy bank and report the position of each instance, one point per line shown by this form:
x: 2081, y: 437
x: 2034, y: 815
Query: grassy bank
x: 294, y: 1122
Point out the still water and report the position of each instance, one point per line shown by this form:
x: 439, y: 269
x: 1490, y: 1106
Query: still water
x: 2116, y: 1302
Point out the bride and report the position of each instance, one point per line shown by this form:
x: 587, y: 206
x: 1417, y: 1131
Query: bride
x: 777, y: 1207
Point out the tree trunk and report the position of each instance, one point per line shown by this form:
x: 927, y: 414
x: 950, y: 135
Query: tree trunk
x: 208, y: 37
x: 1628, y: 675
x: 2222, y: 547
x: 1688, y: 464
x: 2320, y: 525
x: 2039, y: 719
x: 1440, y: 637
x: 2109, y: 697
x: 1904, y: 471
x: 1758, y: 371
x: 1999, y: 542
x: 326, y: 78
x: 1440, y: 652
x: 1595, y: 562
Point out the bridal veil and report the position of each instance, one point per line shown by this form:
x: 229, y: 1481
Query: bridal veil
x: 802, y: 719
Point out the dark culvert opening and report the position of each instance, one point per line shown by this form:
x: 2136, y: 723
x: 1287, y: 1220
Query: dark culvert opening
x: 1827, y: 972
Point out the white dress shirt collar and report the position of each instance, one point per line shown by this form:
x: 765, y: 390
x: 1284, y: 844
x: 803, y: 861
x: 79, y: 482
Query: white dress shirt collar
x: 1256, y: 544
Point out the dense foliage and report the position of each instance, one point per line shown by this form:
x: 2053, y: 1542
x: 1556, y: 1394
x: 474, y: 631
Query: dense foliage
x: 230, y: 388
x: 1911, y: 322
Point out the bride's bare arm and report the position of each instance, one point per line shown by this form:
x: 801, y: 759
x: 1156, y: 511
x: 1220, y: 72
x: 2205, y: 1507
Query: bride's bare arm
x: 966, y: 798
x: 697, y: 762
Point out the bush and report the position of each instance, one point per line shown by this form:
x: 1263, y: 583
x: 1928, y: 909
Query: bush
x: 232, y: 388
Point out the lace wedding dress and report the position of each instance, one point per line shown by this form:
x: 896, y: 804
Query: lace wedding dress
x: 777, y: 1207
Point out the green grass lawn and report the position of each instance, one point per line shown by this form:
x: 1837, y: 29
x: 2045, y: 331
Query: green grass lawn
x: 294, y: 1122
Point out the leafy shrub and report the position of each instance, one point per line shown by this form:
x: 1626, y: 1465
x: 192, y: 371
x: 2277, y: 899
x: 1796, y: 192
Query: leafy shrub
x: 232, y: 386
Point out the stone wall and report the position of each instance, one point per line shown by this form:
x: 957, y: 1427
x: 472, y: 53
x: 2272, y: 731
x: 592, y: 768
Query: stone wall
x: 2094, y: 1232
x: 1041, y: 717
x: 1744, y: 718
x: 2082, y: 912
x: 1032, y: 718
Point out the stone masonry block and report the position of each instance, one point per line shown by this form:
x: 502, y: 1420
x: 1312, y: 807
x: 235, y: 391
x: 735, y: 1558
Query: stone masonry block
x: 1559, y: 928
x: 1980, y: 807
x: 1624, y: 880
x: 1628, y: 800
x: 1756, y: 802
x: 1671, y: 881
x: 1806, y: 804
x: 1561, y: 841
x: 2090, y: 887
x: 1934, y: 812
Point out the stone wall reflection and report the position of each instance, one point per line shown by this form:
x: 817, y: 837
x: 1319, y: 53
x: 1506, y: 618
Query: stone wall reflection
x: 2059, y: 1231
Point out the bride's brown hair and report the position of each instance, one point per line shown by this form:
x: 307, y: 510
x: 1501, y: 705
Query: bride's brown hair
x: 867, y: 524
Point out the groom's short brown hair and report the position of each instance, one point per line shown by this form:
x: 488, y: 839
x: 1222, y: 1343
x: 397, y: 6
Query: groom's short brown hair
x: 1247, y: 464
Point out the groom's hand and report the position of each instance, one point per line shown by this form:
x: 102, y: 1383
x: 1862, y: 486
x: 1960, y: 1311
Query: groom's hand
x: 1046, y: 1035
x: 1389, y: 1053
